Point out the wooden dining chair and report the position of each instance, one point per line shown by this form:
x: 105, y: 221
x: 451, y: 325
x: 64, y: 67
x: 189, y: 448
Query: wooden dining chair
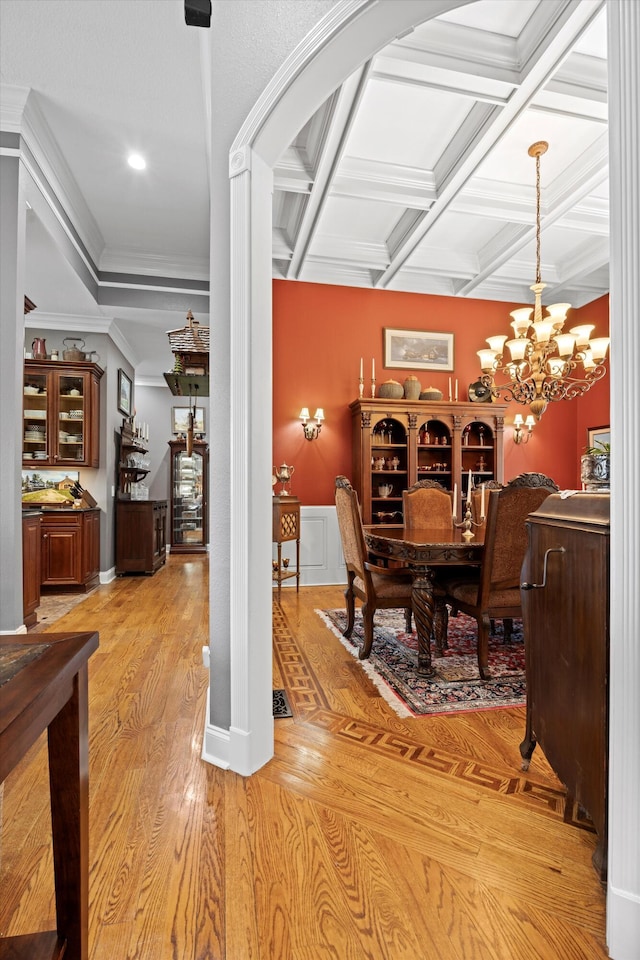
x: 496, y: 592
x: 427, y: 504
x: 376, y: 587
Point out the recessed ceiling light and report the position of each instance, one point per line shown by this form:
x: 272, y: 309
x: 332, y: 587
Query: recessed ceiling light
x: 136, y: 161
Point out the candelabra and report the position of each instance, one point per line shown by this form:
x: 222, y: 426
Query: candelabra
x: 468, y: 521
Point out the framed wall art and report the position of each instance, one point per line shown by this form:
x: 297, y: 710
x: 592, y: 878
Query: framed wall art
x: 180, y: 420
x: 125, y: 394
x: 417, y: 350
x: 597, y: 436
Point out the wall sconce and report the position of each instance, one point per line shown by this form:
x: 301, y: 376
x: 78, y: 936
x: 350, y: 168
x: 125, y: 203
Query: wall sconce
x: 518, y: 424
x: 311, y: 430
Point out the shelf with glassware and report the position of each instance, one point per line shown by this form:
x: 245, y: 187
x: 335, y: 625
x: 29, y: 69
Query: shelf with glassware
x: 398, y: 442
x: 61, y: 414
x: 133, y: 465
x: 188, y: 523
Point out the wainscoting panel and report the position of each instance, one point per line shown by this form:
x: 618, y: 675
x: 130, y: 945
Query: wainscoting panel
x: 321, y: 560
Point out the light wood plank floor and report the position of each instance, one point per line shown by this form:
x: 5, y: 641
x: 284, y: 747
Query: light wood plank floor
x: 366, y: 836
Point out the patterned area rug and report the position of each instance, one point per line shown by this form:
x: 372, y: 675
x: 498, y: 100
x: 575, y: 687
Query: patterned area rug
x: 456, y: 686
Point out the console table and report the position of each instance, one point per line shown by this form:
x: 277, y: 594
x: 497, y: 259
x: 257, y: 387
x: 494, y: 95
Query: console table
x: 44, y: 687
x: 286, y: 526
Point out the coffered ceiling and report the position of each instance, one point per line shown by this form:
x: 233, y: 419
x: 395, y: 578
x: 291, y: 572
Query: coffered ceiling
x: 414, y: 175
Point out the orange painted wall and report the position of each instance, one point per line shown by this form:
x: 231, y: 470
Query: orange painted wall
x: 319, y: 334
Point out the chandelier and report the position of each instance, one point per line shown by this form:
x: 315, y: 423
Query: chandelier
x: 542, y: 359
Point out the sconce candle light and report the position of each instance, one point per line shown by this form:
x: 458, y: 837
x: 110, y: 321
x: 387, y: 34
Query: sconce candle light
x: 311, y: 430
x: 518, y: 423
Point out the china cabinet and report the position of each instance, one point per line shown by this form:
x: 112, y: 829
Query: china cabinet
x: 398, y: 442
x: 188, y: 521
x: 61, y: 414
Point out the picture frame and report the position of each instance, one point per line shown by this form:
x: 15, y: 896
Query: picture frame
x: 125, y: 393
x: 598, y: 435
x: 417, y: 349
x: 180, y: 420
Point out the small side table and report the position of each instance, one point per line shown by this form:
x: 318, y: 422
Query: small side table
x: 45, y: 687
x: 286, y: 526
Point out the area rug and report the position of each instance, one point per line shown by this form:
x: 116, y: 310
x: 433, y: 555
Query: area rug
x: 457, y: 685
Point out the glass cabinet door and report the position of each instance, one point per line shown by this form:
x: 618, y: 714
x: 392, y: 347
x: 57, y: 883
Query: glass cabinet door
x: 187, y: 493
x: 35, y: 446
x: 71, y: 417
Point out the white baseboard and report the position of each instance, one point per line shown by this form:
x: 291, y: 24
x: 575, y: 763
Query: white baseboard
x: 106, y: 576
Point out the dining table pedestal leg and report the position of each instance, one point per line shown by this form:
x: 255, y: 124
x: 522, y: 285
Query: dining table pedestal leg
x: 423, y: 603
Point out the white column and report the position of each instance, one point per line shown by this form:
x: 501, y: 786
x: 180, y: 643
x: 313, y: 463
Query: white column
x: 623, y: 893
x: 12, y: 291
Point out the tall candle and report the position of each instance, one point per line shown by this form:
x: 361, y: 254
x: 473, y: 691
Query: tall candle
x: 449, y: 389
x: 373, y: 369
x: 482, y: 502
x: 456, y: 389
x: 455, y: 500
x: 469, y: 488
x: 361, y: 369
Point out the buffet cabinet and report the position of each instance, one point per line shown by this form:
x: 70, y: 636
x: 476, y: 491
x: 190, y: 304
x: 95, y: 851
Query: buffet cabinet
x: 565, y: 610
x: 140, y: 536
x: 61, y: 414
x: 398, y: 442
x: 189, y: 481
x: 70, y: 550
x: 31, y: 565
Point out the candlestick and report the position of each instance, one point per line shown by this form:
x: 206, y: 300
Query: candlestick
x: 361, y: 387
x: 373, y: 386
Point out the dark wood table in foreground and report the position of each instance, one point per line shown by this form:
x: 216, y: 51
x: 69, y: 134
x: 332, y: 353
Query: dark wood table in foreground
x: 423, y: 550
x: 43, y: 686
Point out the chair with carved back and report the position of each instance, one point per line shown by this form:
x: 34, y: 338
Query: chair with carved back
x: 376, y: 587
x: 496, y: 592
x: 427, y: 504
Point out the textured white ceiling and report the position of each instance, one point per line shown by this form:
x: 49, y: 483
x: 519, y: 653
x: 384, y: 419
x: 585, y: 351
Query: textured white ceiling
x: 413, y: 176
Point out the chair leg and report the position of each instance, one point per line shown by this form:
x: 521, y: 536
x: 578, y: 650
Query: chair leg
x: 367, y: 620
x: 350, y: 601
x: 483, y: 647
x: 507, y: 624
x: 493, y: 627
x: 407, y: 618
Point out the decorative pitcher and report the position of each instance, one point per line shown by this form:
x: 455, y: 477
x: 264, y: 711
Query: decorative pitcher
x: 283, y: 473
x: 39, y: 349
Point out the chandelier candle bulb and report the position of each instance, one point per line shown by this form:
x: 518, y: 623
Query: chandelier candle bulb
x: 582, y: 334
x: 599, y: 348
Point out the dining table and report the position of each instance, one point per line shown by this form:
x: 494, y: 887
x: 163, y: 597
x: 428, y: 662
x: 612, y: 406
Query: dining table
x: 425, y: 551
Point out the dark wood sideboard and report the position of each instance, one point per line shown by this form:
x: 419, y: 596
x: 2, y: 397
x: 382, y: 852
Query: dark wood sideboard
x: 565, y: 608
x: 140, y: 536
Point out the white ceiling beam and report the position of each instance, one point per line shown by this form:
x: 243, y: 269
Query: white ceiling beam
x: 551, y: 55
x: 330, y: 155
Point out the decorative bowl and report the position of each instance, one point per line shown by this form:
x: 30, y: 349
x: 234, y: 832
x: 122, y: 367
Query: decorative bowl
x: 391, y: 390
x: 431, y: 393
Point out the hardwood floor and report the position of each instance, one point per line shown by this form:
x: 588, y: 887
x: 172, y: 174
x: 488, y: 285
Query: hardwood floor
x: 366, y: 836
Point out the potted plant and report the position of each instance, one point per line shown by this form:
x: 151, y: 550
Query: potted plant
x: 595, y: 467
